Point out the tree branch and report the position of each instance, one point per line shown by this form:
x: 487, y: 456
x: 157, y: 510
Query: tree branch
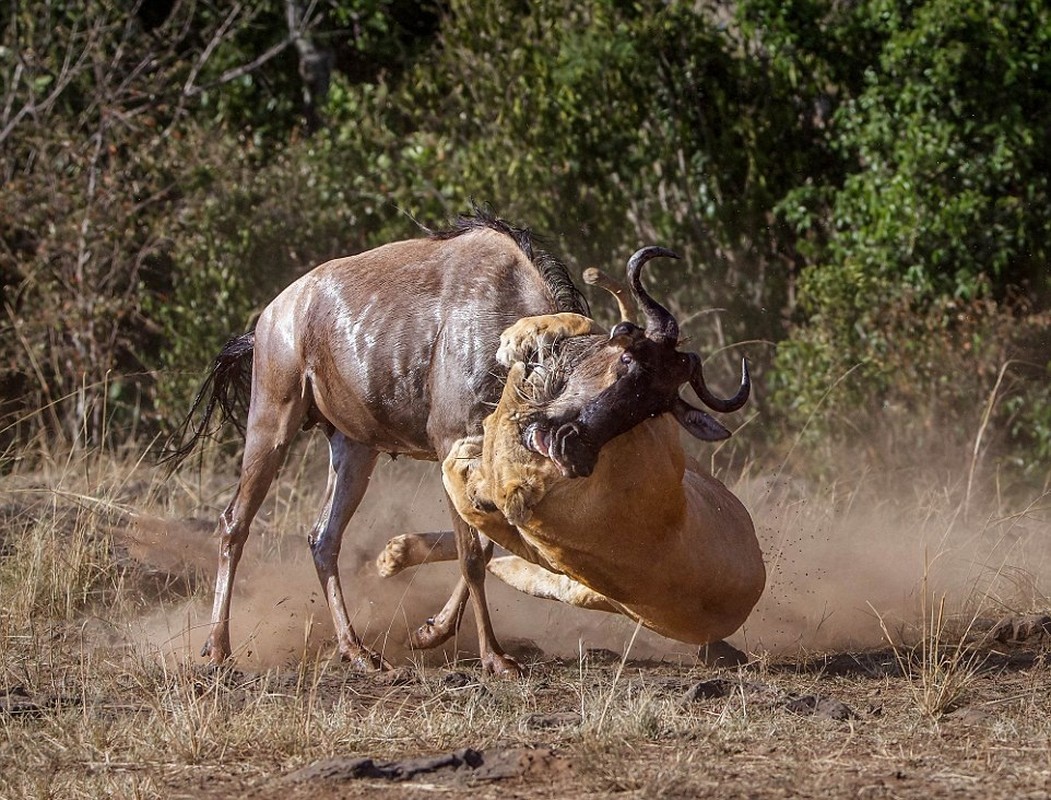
x: 236, y: 72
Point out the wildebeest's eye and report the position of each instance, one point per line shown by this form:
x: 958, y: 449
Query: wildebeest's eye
x: 627, y: 358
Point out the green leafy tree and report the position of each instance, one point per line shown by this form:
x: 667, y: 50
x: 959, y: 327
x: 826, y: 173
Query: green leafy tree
x: 869, y: 179
x: 944, y: 198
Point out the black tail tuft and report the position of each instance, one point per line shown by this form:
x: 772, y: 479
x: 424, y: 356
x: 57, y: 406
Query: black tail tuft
x: 227, y: 388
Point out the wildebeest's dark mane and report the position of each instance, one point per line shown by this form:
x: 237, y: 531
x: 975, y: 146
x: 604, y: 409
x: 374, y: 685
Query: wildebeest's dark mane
x: 552, y: 270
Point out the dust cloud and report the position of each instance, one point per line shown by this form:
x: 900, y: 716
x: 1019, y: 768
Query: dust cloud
x: 848, y: 565
x: 279, y: 615
x: 838, y: 562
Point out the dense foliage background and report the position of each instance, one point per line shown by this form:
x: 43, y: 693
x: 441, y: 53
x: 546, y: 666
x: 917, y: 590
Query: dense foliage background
x: 860, y: 191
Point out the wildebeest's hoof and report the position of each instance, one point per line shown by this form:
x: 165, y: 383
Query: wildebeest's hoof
x: 501, y: 665
x: 215, y: 652
x: 365, y: 660
x: 430, y: 635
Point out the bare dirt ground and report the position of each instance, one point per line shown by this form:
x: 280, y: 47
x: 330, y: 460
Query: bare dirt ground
x: 834, y: 725
x: 876, y: 668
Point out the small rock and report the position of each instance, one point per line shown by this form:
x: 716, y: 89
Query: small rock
x: 17, y: 702
x: 394, y: 770
x: 458, y: 680
x: 523, y: 650
x: 724, y: 687
x: 494, y: 764
x: 721, y: 654
x: 512, y: 762
x: 815, y: 705
x: 1021, y: 628
x: 601, y: 655
x: 560, y: 719
x: 969, y: 715
x: 707, y: 690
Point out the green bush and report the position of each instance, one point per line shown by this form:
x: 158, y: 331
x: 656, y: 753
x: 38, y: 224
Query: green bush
x: 945, y: 205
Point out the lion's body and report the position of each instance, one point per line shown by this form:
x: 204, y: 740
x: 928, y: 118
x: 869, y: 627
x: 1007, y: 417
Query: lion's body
x: 647, y: 533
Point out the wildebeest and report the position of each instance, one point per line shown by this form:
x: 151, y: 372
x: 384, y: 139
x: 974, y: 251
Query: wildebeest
x: 393, y: 350
x: 648, y: 534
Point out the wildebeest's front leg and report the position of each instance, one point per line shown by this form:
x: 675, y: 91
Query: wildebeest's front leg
x: 472, y: 565
x: 439, y: 629
x: 456, y: 476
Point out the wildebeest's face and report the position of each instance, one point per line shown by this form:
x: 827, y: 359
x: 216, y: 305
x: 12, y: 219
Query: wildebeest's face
x: 596, y: 388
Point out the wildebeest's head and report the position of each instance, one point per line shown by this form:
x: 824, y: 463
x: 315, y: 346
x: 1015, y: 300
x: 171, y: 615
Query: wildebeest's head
x: 597, y: 387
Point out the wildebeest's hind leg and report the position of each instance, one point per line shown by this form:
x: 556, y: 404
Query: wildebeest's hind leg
x: 457, y: 469
x: 350, y: 465
x: 271, y: 427
x: 439, y: 629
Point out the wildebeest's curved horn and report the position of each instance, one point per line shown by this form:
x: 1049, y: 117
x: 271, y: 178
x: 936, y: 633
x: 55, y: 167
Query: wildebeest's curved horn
x: 660, y: 324
x: 709, y: 399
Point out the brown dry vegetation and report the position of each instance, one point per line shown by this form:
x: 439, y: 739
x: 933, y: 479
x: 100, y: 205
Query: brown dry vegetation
x: 874, y: 672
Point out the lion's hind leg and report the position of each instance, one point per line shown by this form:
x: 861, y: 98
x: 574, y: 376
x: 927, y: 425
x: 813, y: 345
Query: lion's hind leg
x: 535, y: 580
x: 413, y: 549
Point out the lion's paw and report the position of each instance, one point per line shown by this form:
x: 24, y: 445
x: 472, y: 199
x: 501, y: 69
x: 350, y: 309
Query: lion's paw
x: 520, y: 498
x: 530, y: 335
x: 396, y: 556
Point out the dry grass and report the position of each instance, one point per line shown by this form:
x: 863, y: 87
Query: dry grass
x: 93, y: 708
x: 944, y: 663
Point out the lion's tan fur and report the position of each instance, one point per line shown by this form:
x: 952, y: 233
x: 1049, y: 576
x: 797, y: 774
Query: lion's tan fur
x: 661, y: 540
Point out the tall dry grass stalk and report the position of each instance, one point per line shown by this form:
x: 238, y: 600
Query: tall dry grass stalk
x: 58, y: 541
x: 943, y: 663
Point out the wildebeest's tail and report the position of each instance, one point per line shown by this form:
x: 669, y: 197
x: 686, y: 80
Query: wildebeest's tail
x: 228, y: 389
